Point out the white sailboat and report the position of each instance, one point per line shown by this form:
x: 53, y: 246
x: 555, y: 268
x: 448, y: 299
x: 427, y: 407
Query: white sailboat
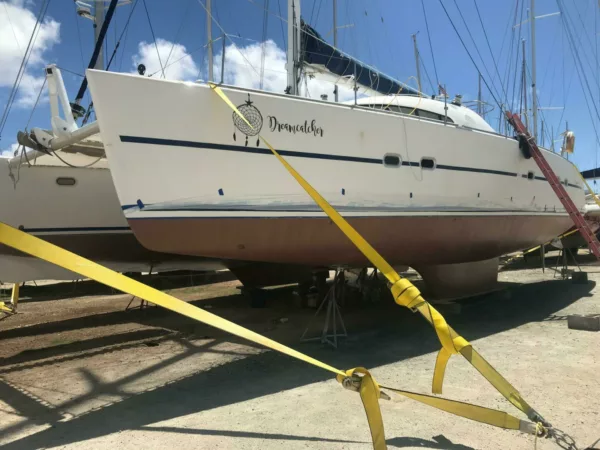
x: 434, y: 188
x: 437, y: 190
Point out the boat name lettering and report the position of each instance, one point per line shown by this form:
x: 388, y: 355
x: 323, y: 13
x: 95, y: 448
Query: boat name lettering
x: 306, y: 127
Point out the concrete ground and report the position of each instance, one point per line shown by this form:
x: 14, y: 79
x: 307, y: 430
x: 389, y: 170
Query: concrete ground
x: 77, y: 371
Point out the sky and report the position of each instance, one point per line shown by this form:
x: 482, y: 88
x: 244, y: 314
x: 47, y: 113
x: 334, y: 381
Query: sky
x: 378, y: 32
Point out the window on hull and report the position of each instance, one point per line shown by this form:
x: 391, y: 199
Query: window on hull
x: 391, y: 160
x: 66, y: 181
x: 428, y: 163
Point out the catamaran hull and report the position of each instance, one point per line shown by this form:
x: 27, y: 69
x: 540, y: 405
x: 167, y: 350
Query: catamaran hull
x: 413, y: 240
x: 81, y: 214
x: 195, y: 180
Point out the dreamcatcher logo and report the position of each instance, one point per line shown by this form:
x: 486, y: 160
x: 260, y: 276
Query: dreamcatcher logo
x: 253, y: 116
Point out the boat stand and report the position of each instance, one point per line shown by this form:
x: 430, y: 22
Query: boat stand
x: 10, y: 308
x: 563, y: 256
x: 143, y: 303
x: 333, y: 314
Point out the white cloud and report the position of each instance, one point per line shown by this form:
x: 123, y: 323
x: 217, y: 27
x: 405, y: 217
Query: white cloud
x: 179, y: 65
x: 242, y: 68
x: 10, y: 151
x: 16, y: 25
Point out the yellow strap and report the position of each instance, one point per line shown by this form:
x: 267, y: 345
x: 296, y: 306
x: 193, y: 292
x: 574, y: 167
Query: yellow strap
x: 477, y: 413
x: 589, y: 188
x: 405, y: 293
x: 369, y: 389
x: 70, y: 261
x: 369, y: 394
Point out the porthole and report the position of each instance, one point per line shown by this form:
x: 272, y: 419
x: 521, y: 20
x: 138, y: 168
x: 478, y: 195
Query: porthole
x: 391, y: 160
x: 530, y: 175
x: 428, y: 163
x: 66, y: 181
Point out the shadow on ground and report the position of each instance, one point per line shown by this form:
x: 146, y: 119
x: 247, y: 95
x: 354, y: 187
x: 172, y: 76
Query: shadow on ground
x: 385, y: 334
x: 162, y: 280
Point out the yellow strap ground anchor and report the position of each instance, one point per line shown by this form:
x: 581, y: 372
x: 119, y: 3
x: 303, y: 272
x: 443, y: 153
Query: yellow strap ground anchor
x: 9, y: 309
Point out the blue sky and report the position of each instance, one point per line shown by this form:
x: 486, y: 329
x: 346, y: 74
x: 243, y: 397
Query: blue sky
x: 376, y: 31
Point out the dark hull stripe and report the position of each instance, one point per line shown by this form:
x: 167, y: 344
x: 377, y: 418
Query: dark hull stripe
x: 294, y: 154
x: 523, y: 214
x: 60, y: 230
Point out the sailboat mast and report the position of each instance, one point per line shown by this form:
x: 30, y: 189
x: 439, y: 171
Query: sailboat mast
x: 98, y: 21
x: 533, y: 72
x: 293, y: 46
x: 524, y: 85
x: 479, y: 105
x: 335, y: 42
x: 209, y: 48
x: 414, y: 37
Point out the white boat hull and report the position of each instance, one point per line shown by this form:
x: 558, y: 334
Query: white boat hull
x: 192, y: 183
x: 85, y: 218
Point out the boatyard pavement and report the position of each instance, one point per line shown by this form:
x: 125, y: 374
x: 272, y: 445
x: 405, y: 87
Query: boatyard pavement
x: 78, y: 371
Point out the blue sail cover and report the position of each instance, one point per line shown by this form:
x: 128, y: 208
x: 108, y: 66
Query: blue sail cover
x: 316, y: 52
x: 591, y: 173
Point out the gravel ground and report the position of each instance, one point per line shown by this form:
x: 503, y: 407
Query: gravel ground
x: 80, y: 372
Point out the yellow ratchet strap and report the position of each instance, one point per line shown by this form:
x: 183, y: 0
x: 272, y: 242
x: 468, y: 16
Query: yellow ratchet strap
x: 589, y: 188
x: 368, y: 388
x: 405, y: 293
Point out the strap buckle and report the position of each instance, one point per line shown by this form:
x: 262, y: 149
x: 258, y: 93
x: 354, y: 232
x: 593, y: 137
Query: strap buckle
x: 353, y: 382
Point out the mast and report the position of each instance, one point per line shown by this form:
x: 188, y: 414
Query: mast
x: 209, y: 48
x: 524, y: 83
x: 479, y: 105
x: 533, y: 72
x: 293, y: 46
x: 223, y: 59
x: 335, y: 88
x: 95, y: 61
x: 414, y: 37
x: 98, y: 21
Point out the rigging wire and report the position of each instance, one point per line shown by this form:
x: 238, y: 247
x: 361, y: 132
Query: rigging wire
x: 79, y: 37
x: 471, y: 57
x: 490, y: 49
x: 185, y: 15
x: 23, y: 66
x: 585, y: 58
x: 597, y: 66
x: 509, y: 56
x: 475, y: 45
x: 70, y: 71
x: 123, y: 32
x: 426, y: 73
x: 154, y: 38
x: 263, y: 44
x: 75, y: 166
x: 508, y: 23
x: 437, y: 79
x: 575, y: 51
x: 518, y: 46
x: 579, y: 69
x: 11, y: 26
x: 281, y: 23
x: 228, y: 37
x: 110, y: 60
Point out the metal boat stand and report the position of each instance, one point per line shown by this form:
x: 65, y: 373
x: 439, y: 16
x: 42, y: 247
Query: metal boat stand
x: 143, y: 303
x: 563, y: 256
x: 333, y: 314
x: 10, y: 308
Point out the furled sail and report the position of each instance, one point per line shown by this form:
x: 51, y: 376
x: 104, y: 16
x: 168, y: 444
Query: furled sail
x: 321, y: 59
